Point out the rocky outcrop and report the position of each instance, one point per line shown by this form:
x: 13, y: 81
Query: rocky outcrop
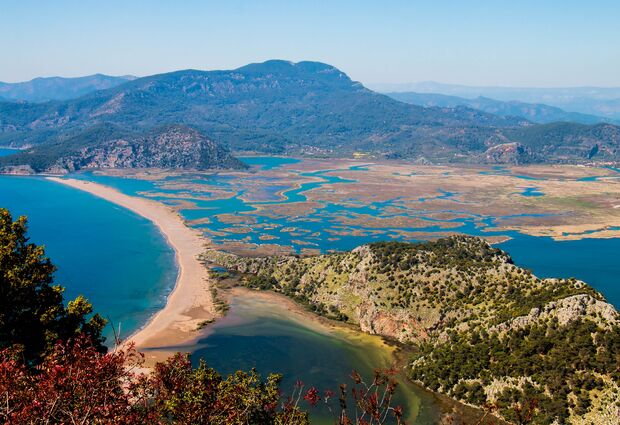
x: 172, y: 147
x: 426, y: 293
x: 566, y: 311
x: 486, y: 330
x: 509, y: 153
x: 175, y: 147
x: 17, y: 170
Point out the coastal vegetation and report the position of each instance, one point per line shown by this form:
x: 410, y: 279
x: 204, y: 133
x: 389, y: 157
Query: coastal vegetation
x: 482, y: 330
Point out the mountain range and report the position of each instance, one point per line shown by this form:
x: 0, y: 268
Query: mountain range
x: 597, y: 101
x: 58, y: 88
x: 280, y: 107
x: 534, y: 112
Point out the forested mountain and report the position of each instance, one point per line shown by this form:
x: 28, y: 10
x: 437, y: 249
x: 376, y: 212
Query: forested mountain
x: 535, y: 112
x: 482, y: 330
x: 300, y: 108
x: 58, y: 88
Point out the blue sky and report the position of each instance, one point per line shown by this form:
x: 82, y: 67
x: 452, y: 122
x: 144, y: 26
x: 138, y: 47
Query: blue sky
x: 492, y: 42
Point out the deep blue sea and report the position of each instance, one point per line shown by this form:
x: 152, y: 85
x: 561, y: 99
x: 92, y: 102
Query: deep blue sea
x: 115, y: 258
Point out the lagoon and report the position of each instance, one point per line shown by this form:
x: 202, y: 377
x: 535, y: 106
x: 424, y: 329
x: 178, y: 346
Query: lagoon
x: 591, y: 260
x: 261, y: 332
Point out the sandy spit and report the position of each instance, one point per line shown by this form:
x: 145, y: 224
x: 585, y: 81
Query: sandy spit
x: 190, y: 302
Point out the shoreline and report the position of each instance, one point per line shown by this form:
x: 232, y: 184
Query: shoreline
x: 190, y: 302
x: 397, y: 352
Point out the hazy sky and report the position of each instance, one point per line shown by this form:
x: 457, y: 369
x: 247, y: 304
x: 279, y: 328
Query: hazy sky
x: 492, y: 42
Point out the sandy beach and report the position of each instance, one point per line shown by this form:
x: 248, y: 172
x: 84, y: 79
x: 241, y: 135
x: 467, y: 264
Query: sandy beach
x: 190, y: 302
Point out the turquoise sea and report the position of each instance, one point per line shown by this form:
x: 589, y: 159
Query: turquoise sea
x: 7, y: 151
x: 114, y: 257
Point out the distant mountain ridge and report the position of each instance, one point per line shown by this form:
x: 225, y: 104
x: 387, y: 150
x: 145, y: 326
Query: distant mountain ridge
x: 273, y: 107
x: 535, y: 112
x: 58, y: 88
x: 598, y: 101
x: 304, y: 108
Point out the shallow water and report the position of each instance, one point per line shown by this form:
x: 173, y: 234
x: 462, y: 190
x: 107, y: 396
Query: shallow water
x: 268, y: 162
x: 260, y: 332
x: 531, y: 191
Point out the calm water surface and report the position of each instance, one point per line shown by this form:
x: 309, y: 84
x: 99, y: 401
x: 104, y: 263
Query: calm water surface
x: 115, y: 258
x: 591, y: 260
x: 259, y: 332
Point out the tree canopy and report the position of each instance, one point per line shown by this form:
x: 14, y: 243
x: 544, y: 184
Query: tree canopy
x: 32, y: 313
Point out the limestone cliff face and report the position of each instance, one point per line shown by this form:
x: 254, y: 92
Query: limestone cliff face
x: 565, y: 311
x: 171, y: 147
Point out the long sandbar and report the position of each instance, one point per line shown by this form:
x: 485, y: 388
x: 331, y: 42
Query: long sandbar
x: 190, y: 302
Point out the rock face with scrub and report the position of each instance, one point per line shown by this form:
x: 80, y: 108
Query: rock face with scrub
x: 484, y: 331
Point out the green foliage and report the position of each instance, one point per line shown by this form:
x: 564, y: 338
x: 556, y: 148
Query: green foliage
x: 460, y: 252
x: 187, y: 395
x: 32, y: 313
x: 458, y: 296
x: 261, y: 282
x: 560, y: 360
